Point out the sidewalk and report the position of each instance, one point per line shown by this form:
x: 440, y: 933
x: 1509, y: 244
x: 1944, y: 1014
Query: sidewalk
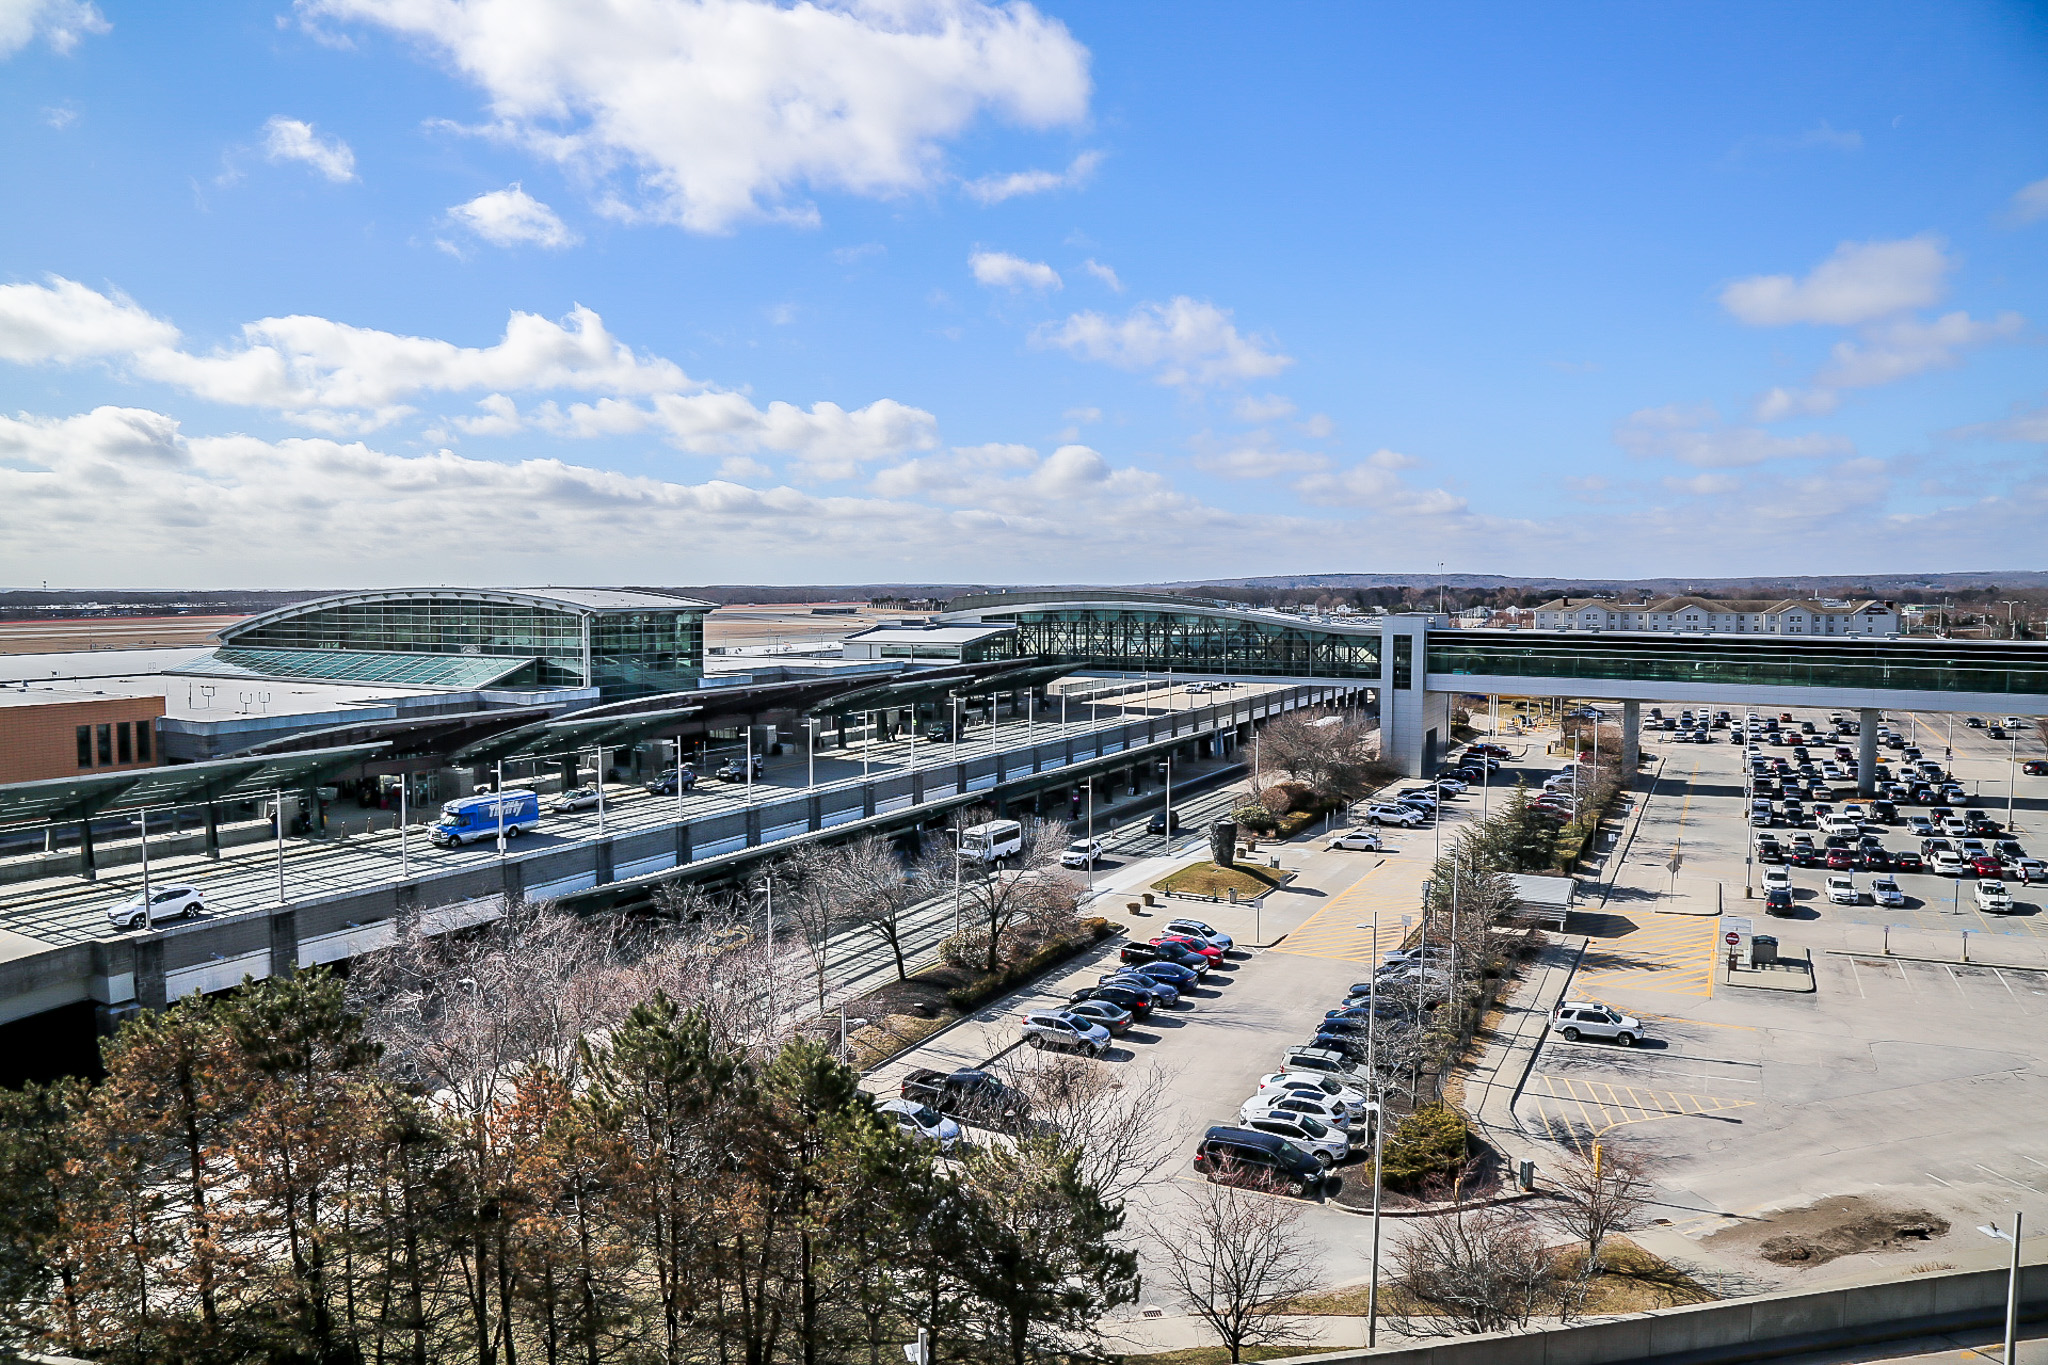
x: 1494, y: 1082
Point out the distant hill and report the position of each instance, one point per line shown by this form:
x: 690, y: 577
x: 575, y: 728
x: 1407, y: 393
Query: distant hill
x: 1874, y: 585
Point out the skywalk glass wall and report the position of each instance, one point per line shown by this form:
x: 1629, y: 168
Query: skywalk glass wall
x: 1116, y: 638
x: 1905, y: 665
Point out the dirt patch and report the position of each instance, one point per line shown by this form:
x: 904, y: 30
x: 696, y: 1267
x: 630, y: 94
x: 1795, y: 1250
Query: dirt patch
x: 1847, y: 1226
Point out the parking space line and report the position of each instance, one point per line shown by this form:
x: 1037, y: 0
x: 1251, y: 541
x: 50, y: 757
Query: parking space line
x: 2006, y: 1178
x: 1646, y: 1106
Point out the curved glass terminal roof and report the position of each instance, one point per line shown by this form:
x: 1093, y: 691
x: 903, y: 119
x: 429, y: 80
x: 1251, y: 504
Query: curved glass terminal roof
x: 628, y: 641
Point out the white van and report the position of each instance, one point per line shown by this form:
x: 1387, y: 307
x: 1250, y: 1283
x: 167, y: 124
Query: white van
x: 996, y: 839
x: 1842, y: 889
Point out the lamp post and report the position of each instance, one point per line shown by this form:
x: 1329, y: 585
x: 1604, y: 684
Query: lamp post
x: 498, y: 800
x: 277, y: 810
x: 2011, y: 631
x: 2012, y: 1283
x: 1376, y: 1093
x: 811, y: 753
x: 404, y: 823
x: 148, y: 916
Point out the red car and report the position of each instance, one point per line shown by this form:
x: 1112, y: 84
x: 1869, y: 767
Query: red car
x: 1843, y: 859
x: 1192, y: 945
x: 1984, y: 865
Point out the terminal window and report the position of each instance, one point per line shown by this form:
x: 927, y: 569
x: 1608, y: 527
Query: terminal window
x: 126, y: 743
x: 104, y: 737
x: 85, y: 746
x: 142, y: 733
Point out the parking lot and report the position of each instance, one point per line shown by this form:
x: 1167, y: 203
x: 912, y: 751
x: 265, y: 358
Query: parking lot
x: 1916, y: 1083
x: 1912, y: 1078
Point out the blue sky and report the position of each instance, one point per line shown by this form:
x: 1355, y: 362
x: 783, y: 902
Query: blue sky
x: 385, y: 291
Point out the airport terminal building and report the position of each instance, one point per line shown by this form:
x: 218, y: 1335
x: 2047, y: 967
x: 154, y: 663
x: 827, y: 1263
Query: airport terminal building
x: 625, y: 642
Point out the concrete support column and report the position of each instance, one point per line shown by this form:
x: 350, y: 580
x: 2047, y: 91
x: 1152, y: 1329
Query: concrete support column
x: 284, y: 942
x: 603, y: 858
x: 1631, y: 738
x: 86, y: 867
x: 1866, y: 751
x: 571, y: 769
x: 212, y: 831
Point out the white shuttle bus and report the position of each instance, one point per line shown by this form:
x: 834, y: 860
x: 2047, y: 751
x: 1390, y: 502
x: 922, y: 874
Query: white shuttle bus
x: 987, y: 842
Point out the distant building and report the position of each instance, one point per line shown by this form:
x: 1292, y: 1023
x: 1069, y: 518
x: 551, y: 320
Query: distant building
x: 63, y: 732
x: 926, y: 644
x: 1710, y: 616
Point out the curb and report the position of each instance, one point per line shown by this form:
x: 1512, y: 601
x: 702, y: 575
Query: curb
x: 1519, y: 1196
x: 908, y: 1048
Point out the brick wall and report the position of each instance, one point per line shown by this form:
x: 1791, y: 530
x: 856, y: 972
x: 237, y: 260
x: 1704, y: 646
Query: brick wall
x: 40, y: 739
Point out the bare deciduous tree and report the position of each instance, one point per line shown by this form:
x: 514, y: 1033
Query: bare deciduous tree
x: 1031, y: 891
x: 1484, y: 1271
x: 1336, y: 753
x: 1230, y: 1255
x: 867, y: 884
x: 1598, y: 1194
x: 1115, y: 1118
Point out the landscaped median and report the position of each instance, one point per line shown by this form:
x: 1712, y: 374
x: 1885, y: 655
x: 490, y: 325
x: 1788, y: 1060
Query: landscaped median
x: 1215, y: 882
x: 905, y: 1013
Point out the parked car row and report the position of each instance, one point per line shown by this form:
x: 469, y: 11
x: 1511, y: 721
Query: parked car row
x: 1149, y: 975
x: 1317, y: 1110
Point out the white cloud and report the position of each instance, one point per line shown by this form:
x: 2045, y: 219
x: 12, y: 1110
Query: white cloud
x: 1182, y: 342
x: 332, y: 375
x: 1103, y: 273
x: 60, y: 23
x: 1379, y: 488
x: 1319, y: 426
x: 1000, y: 270
x: 994, y: 189
x: 2030, y: 202
x: 1861, y: 282
x: 512, y: 217
x: 1830, y: 138
x: 1899, y: 349
x: 1259, y: 458
x: 60, y: 116
x: 1703, y: 485
x: 1268, y: 409
x: 65, y: 321
x: 1696, y: 436
x: 1083, y: 414
x: 853, y: 255
x: 720, y: 111
x: 1884, y: 353
x: 290, y: 139
x: 501, y: 418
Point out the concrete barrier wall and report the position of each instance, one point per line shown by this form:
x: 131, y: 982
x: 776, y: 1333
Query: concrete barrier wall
x: 1739, y: 1329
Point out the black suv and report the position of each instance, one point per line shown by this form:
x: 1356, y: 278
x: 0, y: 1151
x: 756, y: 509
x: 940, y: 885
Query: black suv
x: 1241, y: 1156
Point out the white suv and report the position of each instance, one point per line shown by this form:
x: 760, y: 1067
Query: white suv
x: 1992, y: 897
x: 1576, y: 1019
x: 1405, y: 816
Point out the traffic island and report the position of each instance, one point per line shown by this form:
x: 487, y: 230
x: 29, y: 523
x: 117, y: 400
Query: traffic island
x: 1783, y: 974
x: 1208, y: 881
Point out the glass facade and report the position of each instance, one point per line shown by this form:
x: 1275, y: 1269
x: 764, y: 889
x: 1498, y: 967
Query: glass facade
x: 454, y: 641
x: 1925, y: 665
x: 633, y: 653
x: 434, y: 626
x: 369, y: 666
x: 1105, y: 637
x: 1130, y: 638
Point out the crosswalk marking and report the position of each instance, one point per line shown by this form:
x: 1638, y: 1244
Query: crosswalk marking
x: 1673, y: 954
x: 1333, y: 932
x: 1573, y: 1112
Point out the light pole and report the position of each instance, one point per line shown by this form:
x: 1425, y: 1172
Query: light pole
x: 1376, y: 1093
x: 277, y: 809
x: 2012, y: 1283
x: 600, y: 793
x: 1167, y: 820
x: 811, y: 753
x: 148, y: 917
x: 2011, y: 632
x: 404, y: 823
x: 2012, y: 766
x: 498, y: 800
